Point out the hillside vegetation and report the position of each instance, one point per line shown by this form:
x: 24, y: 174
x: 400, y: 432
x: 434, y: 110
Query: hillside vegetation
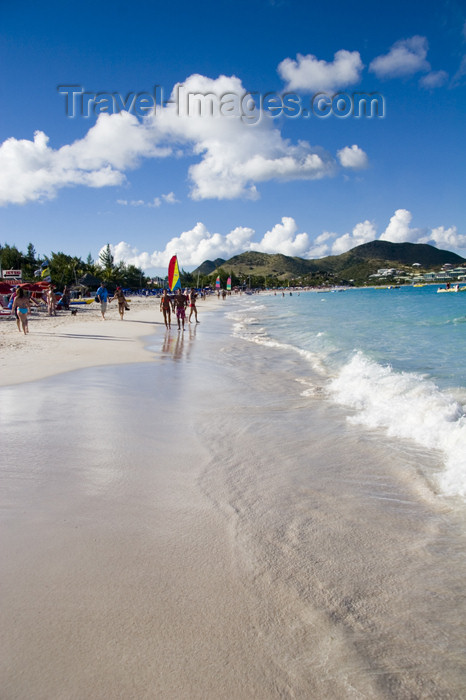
x: 353, y: 267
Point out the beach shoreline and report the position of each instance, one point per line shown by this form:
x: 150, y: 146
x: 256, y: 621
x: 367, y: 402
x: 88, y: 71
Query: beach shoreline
x: 63, y: 343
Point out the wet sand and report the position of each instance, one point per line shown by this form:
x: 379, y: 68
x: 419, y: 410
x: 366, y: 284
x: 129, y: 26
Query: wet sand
x: 117, y: 573
x: 62, y: 343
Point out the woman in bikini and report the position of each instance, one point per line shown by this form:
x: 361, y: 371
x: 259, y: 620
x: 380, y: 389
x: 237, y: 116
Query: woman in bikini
x: 165, y: 306
x: 122, y: 302
x: 21, y: 308
x: 192, y: 305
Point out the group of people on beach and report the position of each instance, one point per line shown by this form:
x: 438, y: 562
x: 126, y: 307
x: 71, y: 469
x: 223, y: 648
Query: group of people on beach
x: 178, y: 303
x: 102, y: 296
x: 21, y: 302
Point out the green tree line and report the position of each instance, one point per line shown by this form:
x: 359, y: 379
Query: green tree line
x: 68, y: 269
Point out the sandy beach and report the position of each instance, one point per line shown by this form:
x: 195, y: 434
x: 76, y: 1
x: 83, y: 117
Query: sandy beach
x: 181, y: 521
x: 62, y: 343
x: 108, y: 591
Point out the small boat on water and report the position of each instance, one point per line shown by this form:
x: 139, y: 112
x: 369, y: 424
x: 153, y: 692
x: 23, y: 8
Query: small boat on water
x: 456, y: 288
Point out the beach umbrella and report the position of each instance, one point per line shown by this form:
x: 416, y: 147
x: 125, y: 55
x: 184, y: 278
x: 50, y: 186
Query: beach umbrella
x: 34, y: 286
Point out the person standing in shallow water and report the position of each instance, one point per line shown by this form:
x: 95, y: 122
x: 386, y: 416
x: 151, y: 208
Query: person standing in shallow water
x: 165, y: 307
x: 21, y: 308
x: 180, y: 303
x: 102, y: 295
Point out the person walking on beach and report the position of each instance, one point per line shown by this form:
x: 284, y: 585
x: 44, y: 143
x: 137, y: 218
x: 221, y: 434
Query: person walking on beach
x: 21, y: 308
x: 102, y: 296
x: 192, y: 305
x: 51, y: 301
x: 65, y: 298
x: 165, y: 307
x: 180, y: 303
x: 122, y: 303
x: 15, y: 312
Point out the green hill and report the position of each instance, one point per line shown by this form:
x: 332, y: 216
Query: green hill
x: 208, y: 266
x: 356, y: 265
x: 407, y: 253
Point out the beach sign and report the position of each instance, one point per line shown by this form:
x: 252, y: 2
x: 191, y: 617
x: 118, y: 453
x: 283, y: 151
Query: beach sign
x: 217, y: 283
x: 12, y: 274
x: 229, y: 284
x: 173, y: 274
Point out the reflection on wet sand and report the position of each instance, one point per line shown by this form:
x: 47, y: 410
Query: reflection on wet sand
x: 178, y: 343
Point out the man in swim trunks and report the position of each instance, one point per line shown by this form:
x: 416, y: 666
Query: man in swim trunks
x: 102, y: 295
x: 180, y: 302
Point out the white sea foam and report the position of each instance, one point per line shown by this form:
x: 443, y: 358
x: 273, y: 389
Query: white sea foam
x: 245, y: 329
x: 406, y: 405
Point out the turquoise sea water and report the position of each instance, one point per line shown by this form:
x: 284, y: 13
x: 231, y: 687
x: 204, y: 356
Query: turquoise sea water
x: 394, y: 357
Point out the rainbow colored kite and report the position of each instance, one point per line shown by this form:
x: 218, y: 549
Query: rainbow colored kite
x: 173, y: 274
x: 217, y: 283
x: 229, y: 284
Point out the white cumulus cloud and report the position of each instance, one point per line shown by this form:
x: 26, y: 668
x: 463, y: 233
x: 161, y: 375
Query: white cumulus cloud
x: 233, y: 156
x: 321, y: 245
x: 283, y: 238
x: 192, y: 247
x: 353, y: 157
x: 364, y: 232
x: 398, y: 229
x: 32, y: 170
x: 405, y: 58
x: 309, y: 74
x: 434, y: 79
x: 444, y: 238
x: 198, y: 244
x: 170, y: 198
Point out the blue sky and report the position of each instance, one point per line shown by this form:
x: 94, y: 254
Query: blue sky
x: 205, y: 186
